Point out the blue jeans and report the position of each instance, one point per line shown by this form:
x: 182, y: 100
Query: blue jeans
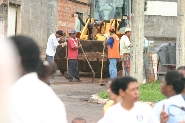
x: 50, y: 58
x: 113, y: 68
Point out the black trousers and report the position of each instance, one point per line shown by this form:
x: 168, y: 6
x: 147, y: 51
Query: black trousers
x: 73, y: 69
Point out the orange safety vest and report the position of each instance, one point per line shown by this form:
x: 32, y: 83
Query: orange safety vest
x: 114, y: 51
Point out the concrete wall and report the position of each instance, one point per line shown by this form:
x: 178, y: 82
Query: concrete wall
x: 39, y: 19
x: 161, y: 25
x: 4, y: 15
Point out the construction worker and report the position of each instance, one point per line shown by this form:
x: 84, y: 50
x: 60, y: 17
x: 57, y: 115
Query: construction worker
x: 125, y: 51
x: 73, y: 46
x: 53, y: 44
x: 113, y: 52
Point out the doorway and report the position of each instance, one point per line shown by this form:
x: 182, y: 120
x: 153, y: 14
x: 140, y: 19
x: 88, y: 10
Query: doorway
x: 13, y: 20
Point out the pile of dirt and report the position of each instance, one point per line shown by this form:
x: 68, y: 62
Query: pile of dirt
x: 93, y: 56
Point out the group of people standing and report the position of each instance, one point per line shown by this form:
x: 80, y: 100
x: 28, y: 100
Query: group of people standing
x: 116, y: 48
x: 124, y: 91
x: 124, y: 106
x: 119, y: 48
x: 72, y: 50
x: 33, y: 101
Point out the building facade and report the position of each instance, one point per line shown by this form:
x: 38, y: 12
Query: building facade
x: 40, y: 18
x: 35, y: 18
x: 10, y: 17
x: 66, y: 9
x: 160, y: 17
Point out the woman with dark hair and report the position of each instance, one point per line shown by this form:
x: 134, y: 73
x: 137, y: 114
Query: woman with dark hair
x: 172, y: 87
x: 114, y: 98
x: 129, y: 110
x: 48, y: 69
x: 32, y: 100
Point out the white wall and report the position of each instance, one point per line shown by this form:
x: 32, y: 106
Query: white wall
x: 161, y: 8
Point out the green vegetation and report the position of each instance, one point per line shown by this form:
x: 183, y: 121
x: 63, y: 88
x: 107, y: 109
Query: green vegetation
x: 149, y: 92
x: 104, y: 94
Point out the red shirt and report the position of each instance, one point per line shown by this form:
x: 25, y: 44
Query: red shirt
x: 72, y: 53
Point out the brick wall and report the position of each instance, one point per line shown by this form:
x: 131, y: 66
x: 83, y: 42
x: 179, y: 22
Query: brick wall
x: 64, y: 16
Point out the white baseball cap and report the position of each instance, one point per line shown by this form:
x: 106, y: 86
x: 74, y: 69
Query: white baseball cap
x: 127, y: 30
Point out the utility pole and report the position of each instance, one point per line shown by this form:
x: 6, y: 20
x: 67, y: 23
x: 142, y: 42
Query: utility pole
x: 136, y: 60
x: 180, y: 43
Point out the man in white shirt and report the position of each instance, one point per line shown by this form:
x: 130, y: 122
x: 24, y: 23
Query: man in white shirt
x: 129, y: 110
x: 33, y: 101
x: 125, y: 51
x: 140, y: 113
x: 53, y: 44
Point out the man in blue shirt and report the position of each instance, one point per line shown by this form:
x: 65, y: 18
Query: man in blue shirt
x: 172, y: 87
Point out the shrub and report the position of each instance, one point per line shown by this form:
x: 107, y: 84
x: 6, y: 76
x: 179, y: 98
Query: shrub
x: 149, y: 92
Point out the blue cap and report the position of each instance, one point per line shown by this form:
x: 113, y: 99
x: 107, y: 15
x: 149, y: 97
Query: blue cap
x: 73, y: 32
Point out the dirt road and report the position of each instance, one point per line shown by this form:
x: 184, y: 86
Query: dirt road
x: 75, y: 96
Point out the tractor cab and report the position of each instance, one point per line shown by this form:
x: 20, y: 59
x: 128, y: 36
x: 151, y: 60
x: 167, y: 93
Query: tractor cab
x: 103, y: 15
x: 110, y: 9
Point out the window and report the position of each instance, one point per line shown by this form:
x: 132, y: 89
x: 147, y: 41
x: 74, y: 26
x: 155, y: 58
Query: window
x: 111, y: 9
x: 78, y: 25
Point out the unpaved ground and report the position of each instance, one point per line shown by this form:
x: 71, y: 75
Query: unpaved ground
x: 75, y: 96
